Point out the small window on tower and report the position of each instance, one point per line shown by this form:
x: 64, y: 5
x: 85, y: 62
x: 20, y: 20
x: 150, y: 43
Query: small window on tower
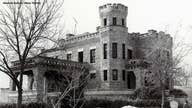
x: 123, y: 51
x: 105, y: 21
x: 105, y: 51
x: 123, y: 22
x: 114, y: 21
x: 114, y: 50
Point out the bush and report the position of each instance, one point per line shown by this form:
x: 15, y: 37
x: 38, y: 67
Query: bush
x: 119, y: 103
x: 147, y: 93
x: 27, y: 105
x: 178, y: 93
x: 96, y: 103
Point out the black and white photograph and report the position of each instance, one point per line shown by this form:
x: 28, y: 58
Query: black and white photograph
x: 95, y: 54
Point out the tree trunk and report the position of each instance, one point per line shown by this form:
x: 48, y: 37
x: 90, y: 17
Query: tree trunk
x: 20, y: 88
x: 162, y: 98
x: 19, y: 100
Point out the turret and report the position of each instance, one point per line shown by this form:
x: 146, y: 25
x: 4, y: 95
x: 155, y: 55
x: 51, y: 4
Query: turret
x: 113, y: 15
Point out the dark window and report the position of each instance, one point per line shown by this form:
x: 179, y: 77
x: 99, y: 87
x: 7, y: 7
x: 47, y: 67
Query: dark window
x: 80, y: 56
x: 114, y: 21
x: 114, y: 50
x: 92, y: 75
x: 92, y: 55
x: 105, y: 75
x: 167, y: 54
x: 123, y: 22
x: 131, y: 80
x: 105, y: 51
x: 123, y: 75
x: 105, y: 21
x: 115, y: 74
x: 123, y: 51
x: 129, y: 54
x: 69, y: 57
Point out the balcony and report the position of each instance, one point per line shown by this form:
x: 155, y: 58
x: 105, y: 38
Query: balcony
x: 135, y: 63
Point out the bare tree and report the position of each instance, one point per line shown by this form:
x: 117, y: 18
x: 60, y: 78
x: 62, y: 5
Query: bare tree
x: 166, y: 57
x: 71, y: 89
x: 24, y: 27
x: 183, y: 75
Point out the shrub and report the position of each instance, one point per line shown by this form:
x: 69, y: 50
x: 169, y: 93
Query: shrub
x: 178, y: 93
x: 27, y: 105
x: 96, y: 103
x: 119, y: 103
x: 147, y: 93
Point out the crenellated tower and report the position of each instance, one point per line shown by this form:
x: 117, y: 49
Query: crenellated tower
x: 113, y: 35
x: 113, y: 15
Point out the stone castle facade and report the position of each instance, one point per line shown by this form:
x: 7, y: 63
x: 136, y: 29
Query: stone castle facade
x: 117, y: 59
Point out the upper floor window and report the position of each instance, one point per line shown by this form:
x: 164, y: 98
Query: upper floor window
x: 129, y: 54
x: 115, y: 74
x: 92, y: 75
x: 167, y: 54
x: 123, y: 22
x: 123, y: 51
x: 69, y: 56
x: 114, y: 50
x: 92, y: 55
x: 104, y: 51
x: 80, y: 56
x: 105, y: 75
x: 105, y: 21
x: 114, y: 21
x: 123, y: 75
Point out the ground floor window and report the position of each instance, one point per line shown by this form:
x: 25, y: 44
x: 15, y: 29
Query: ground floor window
x: 123, y: 75
x: 131, y: 80
x: 105, y: 75
x: 115, y: 74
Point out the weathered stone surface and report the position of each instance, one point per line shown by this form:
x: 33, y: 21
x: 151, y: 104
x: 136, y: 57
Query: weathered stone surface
x: 139, y: 44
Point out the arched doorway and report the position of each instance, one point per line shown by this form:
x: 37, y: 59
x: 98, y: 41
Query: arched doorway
x: 131, y: 80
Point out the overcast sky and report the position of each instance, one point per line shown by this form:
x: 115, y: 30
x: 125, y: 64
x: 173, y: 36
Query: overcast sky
x: 162, y: 15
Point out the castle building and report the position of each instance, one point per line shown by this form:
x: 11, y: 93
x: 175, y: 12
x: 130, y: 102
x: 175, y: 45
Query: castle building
x: 118, y: 60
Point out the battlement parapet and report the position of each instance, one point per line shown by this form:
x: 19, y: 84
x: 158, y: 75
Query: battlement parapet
x: 80, y: 37
x: 134, y: 63
x: 154, y: 33
x: 113, y: 6
x: 150, y: 34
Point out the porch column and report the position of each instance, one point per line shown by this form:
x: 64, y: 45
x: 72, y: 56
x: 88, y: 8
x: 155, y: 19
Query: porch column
x: 45, y: 89
x: 12, y: 85
x: 30, y: 82
x: 35, y: 78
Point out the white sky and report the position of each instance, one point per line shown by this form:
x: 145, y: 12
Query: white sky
x: 142, y: 15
